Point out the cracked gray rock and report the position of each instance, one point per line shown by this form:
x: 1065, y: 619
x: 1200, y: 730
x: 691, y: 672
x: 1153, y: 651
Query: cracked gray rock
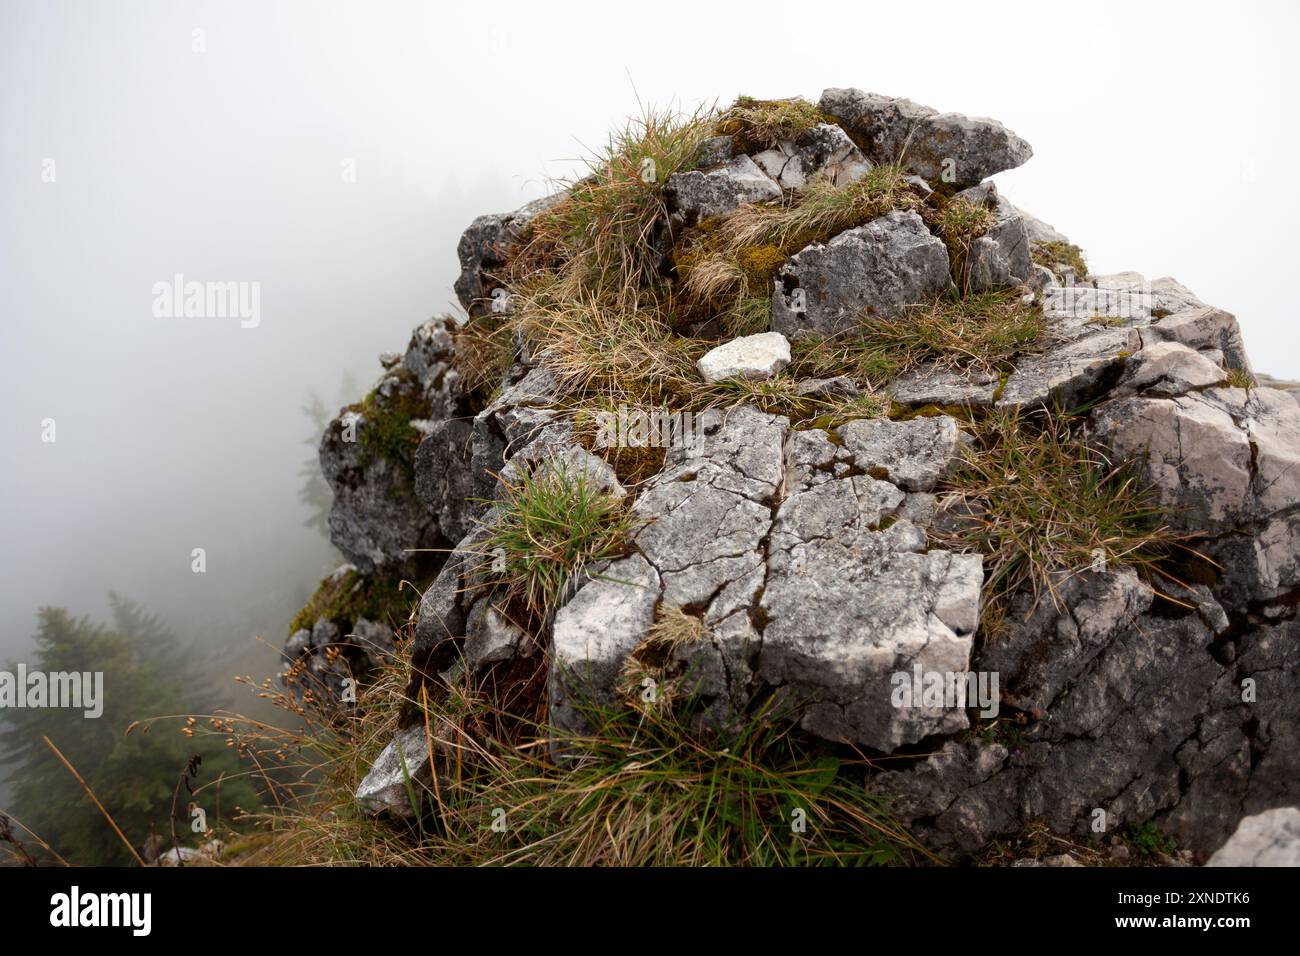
x: 1149, y: 724
x: 758, y: 526
x: 913, y: 454
x: 1168, y: 369
x: 1071, y: 372
x: 593, y: 636
x: 1217, y: 458
x: 879, y: 268
x: 823, y: 152
x: 703, y: 194
x: 940, y: 147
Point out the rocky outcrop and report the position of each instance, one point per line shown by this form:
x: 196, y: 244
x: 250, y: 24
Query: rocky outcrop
x: 819, y: 558
x: 367, y: 454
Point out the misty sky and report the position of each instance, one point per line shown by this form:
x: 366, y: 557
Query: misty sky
x: 1163, y: 138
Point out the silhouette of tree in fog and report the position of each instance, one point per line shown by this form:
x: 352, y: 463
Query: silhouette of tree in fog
x: 146, y: 673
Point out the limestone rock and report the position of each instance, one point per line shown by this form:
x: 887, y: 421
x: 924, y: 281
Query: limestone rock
x: 1168, y: 369
x: 595, y: 633
x: 1216, y: 458
x: 932, y: 144
x: 880, y: 268
x: 823, y: 152
x: 377, y: 520
x: 1000, y: 257
x: 846, y: 603
x: 485, y: 247
x: 704, y: 194
x: 913, y: 455
x: 405, y: 760
x: 751, y: 357
x: 1271, y: 838
x: 1072, y: 370
x: 1203, y: 328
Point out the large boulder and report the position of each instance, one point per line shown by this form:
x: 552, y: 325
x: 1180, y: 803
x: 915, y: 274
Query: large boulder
x: 878, y: 268
x: 940, y: 147
x: 813, y: 583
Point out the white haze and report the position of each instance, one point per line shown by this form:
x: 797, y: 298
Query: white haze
x: 1163, y: 137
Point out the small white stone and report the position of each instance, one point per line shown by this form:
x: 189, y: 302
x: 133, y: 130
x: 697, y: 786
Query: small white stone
x: 752, y: 357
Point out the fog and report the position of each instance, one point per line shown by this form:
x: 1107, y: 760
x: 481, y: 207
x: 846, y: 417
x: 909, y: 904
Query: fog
x: 1163, y: 136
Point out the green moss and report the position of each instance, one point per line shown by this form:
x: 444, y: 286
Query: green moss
x: 987, y: 331
x: 868, y: 405
x: 353, y: 596
x: 1002, y: 386
x: 386, y: 432
x: 759, y: 263
x: 1004, y: 732
x: 631, y: 463
x: 904, y: 413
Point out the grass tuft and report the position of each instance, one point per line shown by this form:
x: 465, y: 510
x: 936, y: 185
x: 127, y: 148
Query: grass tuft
x: 548, y: 527
x: 484, y: 354
x: 760, y: 124
x: 642, y: 787
x: 600, y: 240
x: 959, y: 224
x: 1053, y: 255
x: 983, y: 330
x: 820, y: 210
x: 1239, y: 378
x: 735, y: 258
x: 1036, y: 499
